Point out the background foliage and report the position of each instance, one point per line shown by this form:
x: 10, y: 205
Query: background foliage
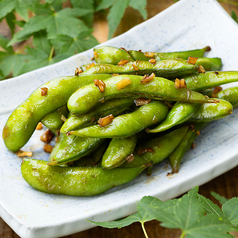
x: 57, y: 29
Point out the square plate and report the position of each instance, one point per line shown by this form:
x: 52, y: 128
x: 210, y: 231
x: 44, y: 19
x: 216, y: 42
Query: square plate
x: 186, y: 25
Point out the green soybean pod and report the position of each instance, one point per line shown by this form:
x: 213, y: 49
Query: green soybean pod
x: 54, y: 120
x: 87, y: 97
x: 177, y: 155
x: 202, y: 81
x: 93, y: 159
x: 169, y: 68
x: 115, y: 107
x: 117, y: 151
x: 178, y: 114
x: 110, y: 55
x: 127, y: 124
x: 229, y: 94
x: 157, y: 149
x: 197, y: 53
x: 71, y: 148
x: 24, y: 119
x: 74, y: 181
x: 212, y: 111
x: 210, y: 64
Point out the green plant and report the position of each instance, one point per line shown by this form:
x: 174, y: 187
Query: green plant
x: 55, y: 31
x: 194, y: 214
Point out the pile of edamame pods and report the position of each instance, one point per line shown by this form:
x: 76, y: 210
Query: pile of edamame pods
x: 119, y: 116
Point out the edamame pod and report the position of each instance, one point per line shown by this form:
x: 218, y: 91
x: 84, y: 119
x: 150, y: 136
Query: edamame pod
x: 177, y: 155
x: 112, y: 55
x: 202, y: 81
x: 70, y: 148
x: 75, y: 181
x: 114, y: 107
x: 22, y: 122
x: 127, y: 124
x: 179, y: 113
x: 197, y: 53
x: 229, y: 94
x: 157, y: 149
x: 54, y: 120
x: 210, y: 64
x: 212, y: 111
x: 117, y: 151
x: 169, y: 68
x: 94, y: 158
x: 87, y: 97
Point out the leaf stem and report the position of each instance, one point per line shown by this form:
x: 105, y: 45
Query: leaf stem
x: 143, y: 228
x: 182, y: 235
x: 51, y: 53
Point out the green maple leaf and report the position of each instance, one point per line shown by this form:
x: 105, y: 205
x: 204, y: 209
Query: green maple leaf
x: 55, y: 23
x: 83, y: 41
x: 20, y: 6
x: 117, y: 10
x: 40, y: 41
x: 189, y: 216
x: 230, y: 210
x: 210, y: 226
x: 9, y: 60
x: 89, y: 4
x: 38, y: 58
x: 142, y: 215
x: 209, y: 206
x: 220, y: 198
x: 10, y: 19
x: 139, y: 5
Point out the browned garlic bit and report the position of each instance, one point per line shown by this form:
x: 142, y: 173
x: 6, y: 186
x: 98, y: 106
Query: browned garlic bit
x: 180, y: 83
x: 115, y: 74
x: 130, y: 158
x: 21, y: 153
x: 39, y: 126
x: 135, y: 67
x: 123, y: 83
x: 89, y: 66
x: 100, y: 84
x: 48, y: 148
x: 95, y: 54
x: 105, y: 120
x: 149, y: 54
x: 43, y: 91
x: 141, y: 151
x: 142, y: 101
x: 152, y: 61
x: 147, y: 78
x: 47, y: 136
x: 77, y: 71
x: 123, y: 61
x: 201, y: 69
x: 215, y: 91
x: 192, y: 60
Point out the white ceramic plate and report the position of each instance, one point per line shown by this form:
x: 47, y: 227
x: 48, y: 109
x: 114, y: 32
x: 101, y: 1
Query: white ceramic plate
x: 186, y: 25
